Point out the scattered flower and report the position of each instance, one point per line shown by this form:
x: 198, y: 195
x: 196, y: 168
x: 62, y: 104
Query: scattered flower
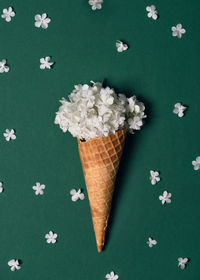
x: 38, y: 188
x: 182, y: 262
x: 96, y: 4
x: 179, y: 109
x: 51, y: 237
x: 77, y: 195
x: 9, y: 134
x: 121, y: 47
x: 154, y: 177
x: 45, y: 62
x: 8, y: 14
x: 1, y: 187
x: 42, y: 21
x: 151, y: 242
x: 196, y: 163
x: 3, y: 66
x: 14, y: 265
x: 112, y: 276
x: 95, y: 111
x: 178, y: 30
x: 165, y: 198
x: 152, y: 12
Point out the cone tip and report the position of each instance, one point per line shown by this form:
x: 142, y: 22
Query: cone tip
x: 99, y: 248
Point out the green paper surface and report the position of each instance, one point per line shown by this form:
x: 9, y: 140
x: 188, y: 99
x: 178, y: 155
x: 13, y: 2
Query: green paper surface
x: 161, y: 70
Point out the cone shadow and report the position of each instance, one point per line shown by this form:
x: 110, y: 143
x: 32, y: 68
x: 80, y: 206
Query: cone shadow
x: 130, y: 148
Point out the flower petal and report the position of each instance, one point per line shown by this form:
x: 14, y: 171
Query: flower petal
x: 38, y: 17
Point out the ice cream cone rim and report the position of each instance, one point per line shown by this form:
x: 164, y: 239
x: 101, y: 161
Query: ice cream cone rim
x: 96, y: 138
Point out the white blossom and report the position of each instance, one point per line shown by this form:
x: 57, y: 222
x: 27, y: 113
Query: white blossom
x: 135, y: 123
x: 165, y: 197
x: 121, y: 47
x: 3, y: 66
x: 94, y: 111
x: 14, y: 265
x: 45, y: 62
x: 152, y: 12
x: 9, y: 134
x: 154, y: 177
x: 42, y: 21
x: 182, y: 262
x: 178, y: 30
x: 77, y: 195
x: 151, y: 242
x: 8, y: 14
x: 96, y: 4
x: 112, y: 276
x: 179, y: 109
x: 51, y: 237
x: 1, y: 187
x: 196, y: 163
x: 39, y: 189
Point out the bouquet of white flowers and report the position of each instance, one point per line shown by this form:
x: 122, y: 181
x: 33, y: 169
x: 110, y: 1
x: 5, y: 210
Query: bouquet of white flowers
x: 94, y: 111
x: 100, y: 119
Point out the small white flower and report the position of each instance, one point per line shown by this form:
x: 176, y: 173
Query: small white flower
x: 77, y: 195
x: 96, y: 4
x: 38, y: 188
x: 152, y: 12
x: 45, y: 62
x: 9, y: 134
x: 196, y: 163
x: 151, y: 242
x: 3, y: 66
x: 182, y: 262
x: 178, y: 30
x: 8, y: 14
x: 42, y: 21
x: 165, y: 198
x: 14, y: 265
x: 135, y: 123
x: 51, y: 237
x: 112, y: 276
x: 154, y: 177
x: 121, y: 47
x: 1, y: 187
x: 179, y: 109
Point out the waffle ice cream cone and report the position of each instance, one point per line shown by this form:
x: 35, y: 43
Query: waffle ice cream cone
x: 100, y: 158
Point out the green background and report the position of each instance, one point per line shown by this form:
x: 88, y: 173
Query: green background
x: 161, y: 70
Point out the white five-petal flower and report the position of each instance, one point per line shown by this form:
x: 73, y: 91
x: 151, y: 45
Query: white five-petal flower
x: 151, y: 242
x: 154, y: 177
x: 51, y: 237
x: 152, y: 12
x: 9, y: 134
x: 179, y: 109
x: 3, y: 66
x: 45, y: 62
x: 77, y: 195
x: 178, y: 30
x: 1, y: 187
x: 38, y: 188
x: 14, y: 265
x: 121, y: 47
x: 165, y: 197
x: 112, y: 276
x: 182, y: 262
x: 42, y: 21
x: 196, y: 163
x: 96, y: 4
x: 8, y: 14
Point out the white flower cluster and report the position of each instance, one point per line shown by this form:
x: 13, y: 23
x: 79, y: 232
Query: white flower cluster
x: 94, y: 111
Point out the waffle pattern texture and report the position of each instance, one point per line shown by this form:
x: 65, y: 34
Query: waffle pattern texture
x: 100, y: 158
